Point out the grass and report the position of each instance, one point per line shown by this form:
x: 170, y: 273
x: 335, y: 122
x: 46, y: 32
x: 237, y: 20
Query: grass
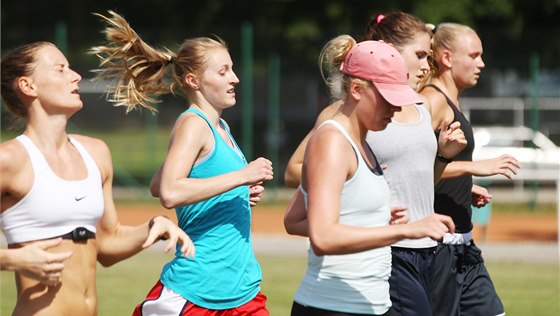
x: 524, y: 208
x: 525, y: 288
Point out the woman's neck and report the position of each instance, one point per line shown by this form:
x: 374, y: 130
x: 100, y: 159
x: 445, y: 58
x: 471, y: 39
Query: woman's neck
x: 407, y: 115
x: 48, y: 131
x: 448, y: 86
x: 347, y: 117
x: 211, y: 112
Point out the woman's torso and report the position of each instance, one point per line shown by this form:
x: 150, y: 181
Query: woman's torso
x: 224, y: 273
x: 354, y: 283
x: 409, y: 150
x: 453, y: 196
x: 53, y: 207
x: 77, y: 292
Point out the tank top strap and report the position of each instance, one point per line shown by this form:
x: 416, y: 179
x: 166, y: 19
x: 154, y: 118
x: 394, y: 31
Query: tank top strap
x: 38, y: 160
x: 40, y: 164
x: 441, y: 91
x: 214, y: 131
x: 424, y: 113
x: 345, y: 133
x: 202, y: 115
x: 91, y: 165
x: 451, y: 104
x: 217, y: 137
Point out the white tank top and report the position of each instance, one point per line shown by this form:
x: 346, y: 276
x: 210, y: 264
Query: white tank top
x: 409, y: 151
x: 358, y: 282
x: 54, y: 206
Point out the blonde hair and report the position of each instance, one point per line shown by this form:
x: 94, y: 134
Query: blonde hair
x: 139, y: 72
x: 444, y: 37
x: 331, y: 59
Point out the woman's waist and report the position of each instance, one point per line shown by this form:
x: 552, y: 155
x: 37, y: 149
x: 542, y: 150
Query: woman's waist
x: 371, y: 264
x: 363, y: 296
x: 63, y: 301
x: 210, y: 262
x: 76, y: 294
x: 212, y: 274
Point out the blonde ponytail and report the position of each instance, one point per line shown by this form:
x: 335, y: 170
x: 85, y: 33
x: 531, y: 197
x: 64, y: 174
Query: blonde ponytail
x: 331, y: 59
x: 137, y: 72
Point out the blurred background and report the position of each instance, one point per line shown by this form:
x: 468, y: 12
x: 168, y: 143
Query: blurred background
x: 275, y: 45
x: 515, y: 109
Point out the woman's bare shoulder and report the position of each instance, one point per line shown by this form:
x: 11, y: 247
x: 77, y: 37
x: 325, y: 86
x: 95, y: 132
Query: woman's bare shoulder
x: 97, y: 148
x: 435, y: 98
x: 12, y: 155
x: 91, y: 143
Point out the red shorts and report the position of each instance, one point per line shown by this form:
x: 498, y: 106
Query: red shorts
x: 162, y: 301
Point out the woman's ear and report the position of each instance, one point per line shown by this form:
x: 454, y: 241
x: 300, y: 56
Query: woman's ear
x: 356, y: 90
x: 26, y: 86
x: 191, y: 80
x: 446, y: 58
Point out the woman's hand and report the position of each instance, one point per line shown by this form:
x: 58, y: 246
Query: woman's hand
x: 257, y: 171
x: 451, y: 140
x: 163, y: 228
x: 398, y: 215
x: 434, y: 226
x: 255, y: 193
x: 34, y: 261
x: 480, y: 196
x: 505, y: 165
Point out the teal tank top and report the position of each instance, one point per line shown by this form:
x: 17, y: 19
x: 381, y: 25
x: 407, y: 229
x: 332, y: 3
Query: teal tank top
x: 224, y: 272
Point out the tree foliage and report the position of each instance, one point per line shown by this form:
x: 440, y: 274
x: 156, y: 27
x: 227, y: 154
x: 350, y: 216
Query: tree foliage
x: 296, y: 29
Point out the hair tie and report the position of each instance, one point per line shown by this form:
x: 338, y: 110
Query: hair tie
x: 171, y: 60
x: 431, y: 27
x: 380, y: 18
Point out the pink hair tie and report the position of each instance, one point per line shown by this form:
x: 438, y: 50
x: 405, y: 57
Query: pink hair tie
x: 380, y: 18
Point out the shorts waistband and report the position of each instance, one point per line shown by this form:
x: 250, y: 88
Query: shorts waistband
x: 457, y: 238
x: 419, y: 250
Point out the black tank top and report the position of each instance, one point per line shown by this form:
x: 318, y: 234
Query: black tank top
x: 453, y: 196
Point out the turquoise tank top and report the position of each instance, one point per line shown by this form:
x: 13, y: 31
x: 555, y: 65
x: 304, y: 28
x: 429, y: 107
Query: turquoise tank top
x: 224, y: 272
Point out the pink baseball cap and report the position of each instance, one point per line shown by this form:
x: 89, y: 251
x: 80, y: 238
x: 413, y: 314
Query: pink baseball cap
x: 382, y: 64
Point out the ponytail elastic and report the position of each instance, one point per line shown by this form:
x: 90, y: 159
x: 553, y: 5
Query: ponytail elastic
x: 431, y: 27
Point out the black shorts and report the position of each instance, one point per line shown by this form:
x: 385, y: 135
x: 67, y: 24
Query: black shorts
x: 461, y: 284
x: 412, y: 272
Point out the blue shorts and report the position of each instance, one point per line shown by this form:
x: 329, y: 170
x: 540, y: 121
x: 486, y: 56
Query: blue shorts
x: 462, y: 285
x: 410, y: 282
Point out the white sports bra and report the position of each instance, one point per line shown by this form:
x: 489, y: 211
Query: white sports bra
x: 54, y: 206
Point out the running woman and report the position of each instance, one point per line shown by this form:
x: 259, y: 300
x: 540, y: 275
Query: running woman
x: 205, y: 176
x: 56, y: 191
x: 462, y: 285
x: 346, y: 195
